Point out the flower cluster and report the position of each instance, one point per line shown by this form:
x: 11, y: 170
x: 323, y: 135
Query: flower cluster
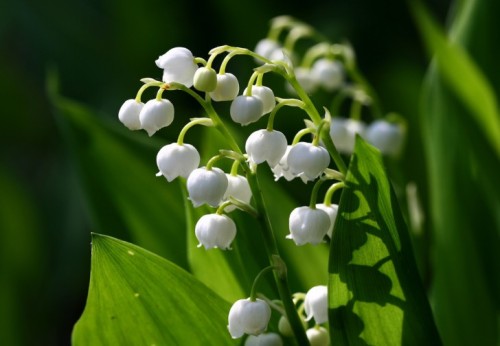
x: 327, y: 66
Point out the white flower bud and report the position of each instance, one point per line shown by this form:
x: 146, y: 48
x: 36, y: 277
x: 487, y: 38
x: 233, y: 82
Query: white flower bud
x: 178, y: 66
x: 308, y: 225
x: 205, y: 79
x: 156, y: 114
x: 206, y: 186
x: 129, y: 114
x: 343, y: 133
x: 174, y: 160
x: 238, y: 188
x: 227, y: 88
x: 246, y: 109
x: 331, y: 210
x: 318, y: 336
x: 328, y: 73
x: 248, y: 317
x: 308, y: 161
x: 282, y: 169
x: 266, y: 47
x: 215, y: 231
x: 266, y: 339
x: 266, y: 95
x: 264, y: 145
x: 387, y: 137
x: 316, y: 304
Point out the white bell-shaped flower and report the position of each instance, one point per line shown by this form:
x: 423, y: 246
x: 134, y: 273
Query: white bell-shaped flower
x: 246, y: 109
x: 156, y: 114
x: 318, y: 336
x: 343, y: 133
x: 215, y: 231
x: 205, y: 79
x: 266, y: 95
x: 316, y: 304
x: 308, y: 225
x: 267, y: 48
x: 248, y: 317
x: 308, y: 161
x: 227, y: 88
x: 129, y: 114
x: 265, y: 339
x: 264, y: 145
x: 178, y: 66
x: 174, y: 160
x: 238, y: 188
x: 331, y: 210
x: 206, y: 186
x: 328, y: 73
x: 386, y: 136
x: 282, y: 169
x: 306, y: 80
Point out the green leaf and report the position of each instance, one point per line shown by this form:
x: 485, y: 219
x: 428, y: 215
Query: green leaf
x: 462, y: 75
x: 138, y: 298
x: 463, y: 170
x: 117, y: 170
x: 376, y: 297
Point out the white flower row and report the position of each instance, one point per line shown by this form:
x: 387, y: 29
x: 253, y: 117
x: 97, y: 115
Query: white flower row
x: 251, y: 317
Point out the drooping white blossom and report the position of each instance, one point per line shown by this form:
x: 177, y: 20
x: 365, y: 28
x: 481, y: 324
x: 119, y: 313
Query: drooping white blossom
x: 156, y: 114
x: 308, y: 161
x: 267, y: 48
x: 248, y: 317
x: 306, y: 80
x: 215, y: 231
x: 246, y: 109
x: 331, y: 210
x: 178, y: 66
x: 264, y: 145
x: 316, y: 304
x: 174, y: 160
x: 343, y: 132
x: 282, y: 169
x: 129, y: 114
x: 207, y: 186
x: 308, y: 226
x: 386, y: 136
x: 265, y: 339
x: 227, y: 88
x: 266, y: 95
x: 328, y: 73
x: 238, y: 188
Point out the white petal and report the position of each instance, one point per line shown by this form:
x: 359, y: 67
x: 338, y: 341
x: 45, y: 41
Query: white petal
x: 156, y: 114
x: 129, y: 114
x: 316, y: 304
x: 227, y: 88
x: 246, y: 109
x: 174, y: 160
x: 207, y: 186
x: 264, y: 145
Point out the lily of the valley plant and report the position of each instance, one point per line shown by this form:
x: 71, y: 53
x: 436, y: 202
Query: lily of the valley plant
x: 313, y: 155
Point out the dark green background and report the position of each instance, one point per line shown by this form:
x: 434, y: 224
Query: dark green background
x: 100, y: 50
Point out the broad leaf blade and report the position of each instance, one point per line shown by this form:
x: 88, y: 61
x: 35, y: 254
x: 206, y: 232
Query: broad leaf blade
x: 132, y: 288
x: 376, y: 296
x: 462, y: 75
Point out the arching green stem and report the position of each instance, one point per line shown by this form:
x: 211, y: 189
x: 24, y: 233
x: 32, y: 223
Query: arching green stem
x: 253, y: 292
x: 147, y: 85
x: 331, y: 190
x: 314, y: 193
x: 193, y: 122
x: 282, y: 103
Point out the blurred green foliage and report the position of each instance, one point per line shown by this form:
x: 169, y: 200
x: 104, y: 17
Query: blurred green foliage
x: 100, y: 50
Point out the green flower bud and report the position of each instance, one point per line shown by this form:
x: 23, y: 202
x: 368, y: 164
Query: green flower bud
x: 205, y: 79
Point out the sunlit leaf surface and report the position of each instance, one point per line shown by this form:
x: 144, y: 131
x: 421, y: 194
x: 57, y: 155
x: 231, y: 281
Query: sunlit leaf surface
x: 139, y: 298
x: 375, y: 294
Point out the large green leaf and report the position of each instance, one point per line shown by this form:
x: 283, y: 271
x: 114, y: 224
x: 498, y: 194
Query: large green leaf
x: 138, y: 298
x: 463, y: 168
x: 376, y: 297
x: 462, y: 75
x: 117, y: 170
